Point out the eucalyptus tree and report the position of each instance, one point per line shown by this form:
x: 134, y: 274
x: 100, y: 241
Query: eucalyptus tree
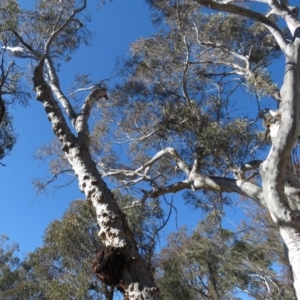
x: 180, y: 101
x: 178, y: 116
x: 12, y: 90
x: 62, y: 266
x: 8, y: 264
x: 45, y: 34
x: 217, y: 263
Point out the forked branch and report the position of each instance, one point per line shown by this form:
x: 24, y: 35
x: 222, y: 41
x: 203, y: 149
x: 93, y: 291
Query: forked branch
x: 195, y: 181
x: 62, y: 28
x: 81, y: 123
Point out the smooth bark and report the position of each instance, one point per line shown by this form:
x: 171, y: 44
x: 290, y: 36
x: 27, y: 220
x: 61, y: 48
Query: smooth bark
x: 275, y: 168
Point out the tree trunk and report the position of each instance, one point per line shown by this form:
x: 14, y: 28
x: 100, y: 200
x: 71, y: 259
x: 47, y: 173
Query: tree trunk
x: 132, y: 277
x: 274, y: 169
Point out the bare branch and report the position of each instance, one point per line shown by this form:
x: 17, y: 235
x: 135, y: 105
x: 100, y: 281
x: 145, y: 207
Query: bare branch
x: 185, y: 72
x: 62, y: 27
x: 195, y: 180
x: 42, y: 186
x: 211, y: 183
x: 241, y: 11
x: 237, y: 69
x: 55, y: 115
x: 55, y: 86
x: 171, y: 151
x: 27, y: 46
x: 225, y: 49
x: 82, y: 90
x: 81, y: 123
x: 138, y: 139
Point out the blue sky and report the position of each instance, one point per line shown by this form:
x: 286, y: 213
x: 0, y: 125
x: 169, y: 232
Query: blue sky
x: 24, y: 215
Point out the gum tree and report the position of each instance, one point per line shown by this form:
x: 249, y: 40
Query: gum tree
x: 177, y: 117
x: 178, y: 103
x: 280, y: 191
x: 49, y: 32
x: 217, y: 263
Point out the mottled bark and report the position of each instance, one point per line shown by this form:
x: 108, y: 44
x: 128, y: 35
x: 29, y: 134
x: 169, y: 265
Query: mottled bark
x: 137, y: 282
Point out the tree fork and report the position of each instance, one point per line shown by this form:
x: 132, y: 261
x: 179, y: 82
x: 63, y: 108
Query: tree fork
x: 136, y: 280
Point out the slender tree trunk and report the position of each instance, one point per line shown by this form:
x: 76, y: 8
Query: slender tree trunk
x: 132, y: 276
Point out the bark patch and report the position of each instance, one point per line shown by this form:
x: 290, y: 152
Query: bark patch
x: 108, y: 266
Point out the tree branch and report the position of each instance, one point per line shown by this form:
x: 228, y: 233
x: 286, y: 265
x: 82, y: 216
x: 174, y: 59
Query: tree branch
x: 196, y: 181
x: 27, y: 46
x: 81, y: 123
x: 185, y: 72
x: 252, y: 165
x: 62, y: 27
x: 55, y: 86
x: 241, y: 11
x: 55, y: 115
x: 171, y: 151
x: 286, y: 12
x: 210, y: 183
x: 225, y: 49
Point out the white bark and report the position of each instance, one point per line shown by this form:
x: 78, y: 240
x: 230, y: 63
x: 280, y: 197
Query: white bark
x: 55, y: 87
x: 196, y: 181
x: 245, y: 12
x: 281, y: 200
x: 275, y: 167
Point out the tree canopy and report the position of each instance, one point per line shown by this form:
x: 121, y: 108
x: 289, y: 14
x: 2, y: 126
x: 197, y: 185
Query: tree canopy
x: 175, y: 113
